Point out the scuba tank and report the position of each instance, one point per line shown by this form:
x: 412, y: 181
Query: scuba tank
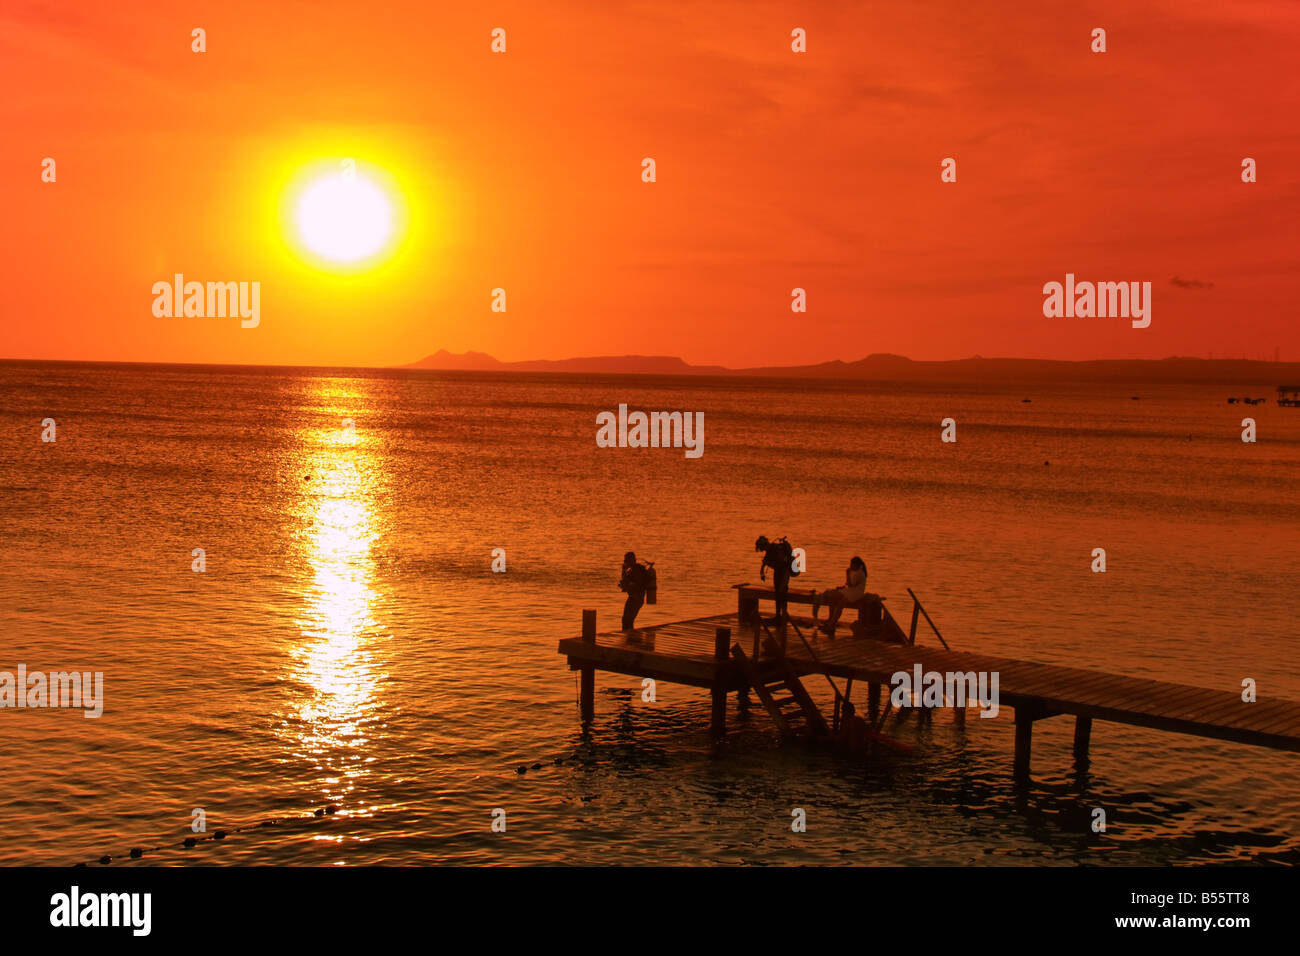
x: 787, y: 553
x: 651, y: 583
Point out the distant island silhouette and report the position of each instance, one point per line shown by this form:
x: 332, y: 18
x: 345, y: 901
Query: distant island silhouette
x: 898, y: 368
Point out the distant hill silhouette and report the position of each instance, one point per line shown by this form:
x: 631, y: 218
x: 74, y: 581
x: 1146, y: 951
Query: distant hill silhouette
x: 897, y: 368
x: 613, y: 364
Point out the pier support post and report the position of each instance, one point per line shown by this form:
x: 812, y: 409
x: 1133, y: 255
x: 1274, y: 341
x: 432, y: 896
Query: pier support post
x: 1082, y: 738
x: 873, y: 702
x: 721, y: 677
x: 747, y: 615
x: 1024, y: 737
x: 848, y: 698
x: 588, y: 691
x: 959, y: 714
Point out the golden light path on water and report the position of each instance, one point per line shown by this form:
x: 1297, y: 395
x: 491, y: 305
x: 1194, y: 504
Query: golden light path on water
x: 335, y: 661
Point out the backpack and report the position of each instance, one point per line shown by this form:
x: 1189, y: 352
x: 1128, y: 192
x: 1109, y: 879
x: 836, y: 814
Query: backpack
x: 787, y: 555
x: 651, y: 581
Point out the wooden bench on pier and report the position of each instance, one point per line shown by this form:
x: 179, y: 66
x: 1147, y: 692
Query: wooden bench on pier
x: 873, y: 619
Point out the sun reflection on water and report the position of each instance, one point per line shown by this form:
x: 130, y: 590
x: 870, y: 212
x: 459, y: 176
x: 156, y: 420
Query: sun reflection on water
x: 335, y: 659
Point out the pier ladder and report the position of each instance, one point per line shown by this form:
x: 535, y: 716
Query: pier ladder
x: 782, y: 693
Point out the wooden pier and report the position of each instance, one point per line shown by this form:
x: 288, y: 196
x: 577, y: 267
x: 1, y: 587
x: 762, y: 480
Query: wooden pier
x: 711, y: 652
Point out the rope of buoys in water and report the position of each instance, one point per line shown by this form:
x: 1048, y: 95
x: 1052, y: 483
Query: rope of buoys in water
x: 136, y: 851
x: 329, y: 810
x: 524, y: 768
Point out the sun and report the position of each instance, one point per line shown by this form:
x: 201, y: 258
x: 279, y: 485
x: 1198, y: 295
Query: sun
x: 343, y: 217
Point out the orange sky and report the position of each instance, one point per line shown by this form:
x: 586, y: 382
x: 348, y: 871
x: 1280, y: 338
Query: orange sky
x: 775, y: 170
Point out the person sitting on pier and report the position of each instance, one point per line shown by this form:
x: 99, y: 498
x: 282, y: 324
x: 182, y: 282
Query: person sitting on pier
x: 851, y: 591
x: 633, y: 581
x: 777, y: 555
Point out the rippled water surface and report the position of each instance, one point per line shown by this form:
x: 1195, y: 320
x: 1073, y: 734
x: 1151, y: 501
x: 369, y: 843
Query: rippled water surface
x: 348, y: 643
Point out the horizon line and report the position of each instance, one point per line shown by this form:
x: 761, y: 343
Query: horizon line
x: 414, y: 366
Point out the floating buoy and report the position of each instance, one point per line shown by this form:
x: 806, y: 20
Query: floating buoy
x: 136, y: 853
x: 537, y: 766
x: 331, y: 809
x: 319, y: 812
x: 522, y: 768
x: 106, y: 860
x: 190, y: 841
x: 219, y: 835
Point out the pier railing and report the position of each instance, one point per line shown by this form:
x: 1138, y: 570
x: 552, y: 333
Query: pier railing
x: 919, y: 609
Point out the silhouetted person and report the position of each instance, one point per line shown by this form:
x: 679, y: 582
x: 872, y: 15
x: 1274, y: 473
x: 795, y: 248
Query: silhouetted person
x: 633, y: 582
x: 853, y: 729
x: 852, y: 590
x: 778, y: 556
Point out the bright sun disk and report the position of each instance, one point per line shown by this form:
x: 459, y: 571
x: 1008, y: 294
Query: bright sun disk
x: 344, y: 218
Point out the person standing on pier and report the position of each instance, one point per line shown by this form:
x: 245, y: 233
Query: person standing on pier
x: 633, y: 581
x: 779, y: 556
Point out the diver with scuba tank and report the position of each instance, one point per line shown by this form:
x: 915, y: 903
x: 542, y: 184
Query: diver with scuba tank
x: 641, y: 584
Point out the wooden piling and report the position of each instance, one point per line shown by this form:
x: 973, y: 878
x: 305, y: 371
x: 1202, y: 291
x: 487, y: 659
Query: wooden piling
x: 747, y: 614
x: 721, y: 677
x: 848, y: 697
x: 1024, y: 737
x: 873, y: 702
x: 588, y: 691
x: 1082, y: 737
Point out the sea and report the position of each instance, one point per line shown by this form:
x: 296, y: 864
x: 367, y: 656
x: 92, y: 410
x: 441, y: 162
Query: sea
x: 286, y: 578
